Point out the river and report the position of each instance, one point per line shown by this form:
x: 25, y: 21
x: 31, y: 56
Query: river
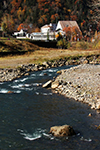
x: 27, y: 114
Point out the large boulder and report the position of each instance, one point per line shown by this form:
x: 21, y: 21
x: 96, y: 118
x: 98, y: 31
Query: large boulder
x: 60, y: 131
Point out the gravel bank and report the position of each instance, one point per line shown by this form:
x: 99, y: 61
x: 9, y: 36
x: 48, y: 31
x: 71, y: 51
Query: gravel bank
x: 81, y: 83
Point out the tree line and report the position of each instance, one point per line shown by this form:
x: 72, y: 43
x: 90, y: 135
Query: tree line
x: 35, y: 13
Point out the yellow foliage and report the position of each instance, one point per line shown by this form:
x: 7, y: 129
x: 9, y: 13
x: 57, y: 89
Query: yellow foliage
x: 69, y: 10
x: 97, y: 45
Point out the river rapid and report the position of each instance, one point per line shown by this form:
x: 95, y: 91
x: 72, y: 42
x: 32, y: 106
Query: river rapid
x: 27, y: 114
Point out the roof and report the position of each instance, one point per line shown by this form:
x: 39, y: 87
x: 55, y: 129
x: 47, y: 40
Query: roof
x: 68, y: 23
x: 46, y: 26
x: 51, y: 25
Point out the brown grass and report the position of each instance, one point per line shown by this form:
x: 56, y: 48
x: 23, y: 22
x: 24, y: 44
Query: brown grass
x: 36, y: 54
x: 39, y: 56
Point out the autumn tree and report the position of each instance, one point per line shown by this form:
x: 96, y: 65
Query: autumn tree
x: 8, y: 23
x: 94, y: 7
x: 72, y: 32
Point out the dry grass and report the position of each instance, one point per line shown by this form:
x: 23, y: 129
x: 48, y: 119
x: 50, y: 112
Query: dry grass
x: 39, y: 56
x: 36, y: 54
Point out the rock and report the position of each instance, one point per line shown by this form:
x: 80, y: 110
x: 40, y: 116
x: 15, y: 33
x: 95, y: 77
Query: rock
x: 85, y: 62
x: 10, y: 92
x: 98, y: 105
x: 45, y: 74
x: 89, y: 115
x: 98, y: 127
x: 54, y: 84
x: 47, y: 84
x: 60, y: 131
x: 26, y: 74
x: 59, y: 72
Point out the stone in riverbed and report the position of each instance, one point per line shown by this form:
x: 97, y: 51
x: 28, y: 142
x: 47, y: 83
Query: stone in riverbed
x: 54, y: 84
x: 61, y: 131
x: 47, y: 84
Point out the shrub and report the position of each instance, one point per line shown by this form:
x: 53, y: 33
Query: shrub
x: 82, y: 45
x: 96, y: 44
x: 63, y: 43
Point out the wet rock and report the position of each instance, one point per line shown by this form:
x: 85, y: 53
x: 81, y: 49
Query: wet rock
x: 60, y: 131
x: 98, y: 105
x: 59, y: 72
x: 10, y: 92
x: 98, y: 127
x: 54, y: 84
x: 45, y: 74
x: 26, y: 74
x: 89, y: 115
x: 47, y: 84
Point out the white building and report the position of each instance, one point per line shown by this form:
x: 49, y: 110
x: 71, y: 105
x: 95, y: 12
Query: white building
x: 48, y: 28
x: 21, y: 33
x: 42, y: 36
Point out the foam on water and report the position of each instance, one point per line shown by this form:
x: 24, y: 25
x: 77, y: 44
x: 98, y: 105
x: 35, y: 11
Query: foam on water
x: 37, y: 84
x: 37, y: 93
x: 22, y: 87
x: 86, y: 140
x: 17, y: 92
x: 20, y: 80
x: 52, y: 70
x: 17, y: 86
x: 36, y: 135
x: 3, y: 91
x: 33, y: 75
x: 1, y: 83
x: 41, y: 74
x: 46, y: 94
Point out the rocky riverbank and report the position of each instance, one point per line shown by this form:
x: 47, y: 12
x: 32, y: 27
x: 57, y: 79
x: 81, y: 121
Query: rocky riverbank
x: 24, y: 70
x: 81, y: 83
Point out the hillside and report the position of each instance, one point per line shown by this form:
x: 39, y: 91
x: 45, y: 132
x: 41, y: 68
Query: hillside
x: 35, y: 13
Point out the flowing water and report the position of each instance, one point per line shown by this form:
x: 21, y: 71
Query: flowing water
x: 27, y: 114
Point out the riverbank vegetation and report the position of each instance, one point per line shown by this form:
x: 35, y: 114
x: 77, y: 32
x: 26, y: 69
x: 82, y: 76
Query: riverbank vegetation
x: 25, y: 52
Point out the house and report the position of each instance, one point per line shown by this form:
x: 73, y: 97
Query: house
x: 21, y: 34
x: 42, y: 36
x: 62, y: 24
x: 48, y: 28
x: 72, y: 26
x: 47, y: 33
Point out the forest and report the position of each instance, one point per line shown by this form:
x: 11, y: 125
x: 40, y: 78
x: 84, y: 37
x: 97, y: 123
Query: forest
x: 35, y: 13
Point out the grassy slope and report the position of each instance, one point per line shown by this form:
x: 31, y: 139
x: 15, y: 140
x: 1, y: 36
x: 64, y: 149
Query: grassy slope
x: 35, y: 54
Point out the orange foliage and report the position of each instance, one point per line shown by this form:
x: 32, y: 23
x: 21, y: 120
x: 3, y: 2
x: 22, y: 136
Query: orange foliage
x: 24, y: 1
x: 58, y: 4
x: 15, y: 5
x: 37, y: 29
x: 53, y: 18
x: 72, y: 31
x: 46, y: 10
x: 76, y: 2
x: 73, y: 17
x: 21, y: 26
